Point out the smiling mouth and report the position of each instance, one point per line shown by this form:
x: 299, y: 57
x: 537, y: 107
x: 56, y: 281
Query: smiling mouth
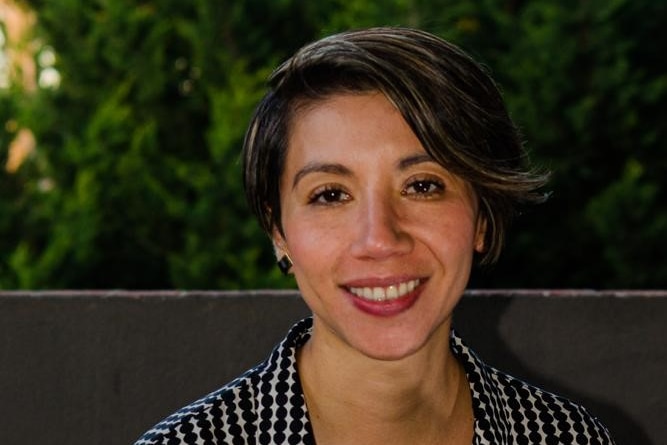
x: 388, y: 293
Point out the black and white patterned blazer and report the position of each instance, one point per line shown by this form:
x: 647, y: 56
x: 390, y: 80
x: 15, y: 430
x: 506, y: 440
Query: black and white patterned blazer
x: 266, y: 405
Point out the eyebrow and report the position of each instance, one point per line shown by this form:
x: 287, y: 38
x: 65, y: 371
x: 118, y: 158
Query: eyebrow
x: 417, y: 159
x: 339, y: 169
x: 321, y: 167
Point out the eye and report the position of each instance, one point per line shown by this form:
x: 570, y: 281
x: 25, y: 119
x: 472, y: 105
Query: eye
x: 328, y: 195
x: 424, y: 188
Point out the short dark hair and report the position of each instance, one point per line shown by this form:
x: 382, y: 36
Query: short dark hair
x: 449, y: 101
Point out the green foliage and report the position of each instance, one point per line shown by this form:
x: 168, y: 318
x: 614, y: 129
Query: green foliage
x: 583, y: 80
x: 135, y: 182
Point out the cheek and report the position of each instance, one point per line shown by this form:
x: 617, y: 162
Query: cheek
x: 313, y: 242
x: 453, y: 224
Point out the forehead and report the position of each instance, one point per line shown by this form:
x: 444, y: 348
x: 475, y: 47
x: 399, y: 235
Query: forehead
x: 343, y: 113
x: 305, y: 104
x: 349, y: 122
x: 355, y: 130
x: 344, y: 107
x: 362, y: 137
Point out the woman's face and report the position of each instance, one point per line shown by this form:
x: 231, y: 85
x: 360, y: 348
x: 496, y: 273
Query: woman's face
x: 381, y: 236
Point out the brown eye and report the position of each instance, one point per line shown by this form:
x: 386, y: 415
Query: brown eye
x: 328, y: 196
x: 424, y: 187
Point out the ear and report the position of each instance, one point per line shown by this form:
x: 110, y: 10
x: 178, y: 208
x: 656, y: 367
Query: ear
x: 279, y: 243
x: 480, y: 234
x: 282, y: 254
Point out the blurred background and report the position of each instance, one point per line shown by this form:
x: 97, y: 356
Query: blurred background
x: 121, y: 124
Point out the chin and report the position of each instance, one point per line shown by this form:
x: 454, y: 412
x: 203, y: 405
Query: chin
x: 391, y: 349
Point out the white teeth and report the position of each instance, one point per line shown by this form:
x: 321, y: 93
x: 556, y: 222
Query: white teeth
x: 385, y: 293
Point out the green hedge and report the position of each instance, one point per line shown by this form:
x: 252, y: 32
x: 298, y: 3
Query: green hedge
x: 135, y: 182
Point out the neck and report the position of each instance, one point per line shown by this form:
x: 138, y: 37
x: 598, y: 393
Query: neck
x: 353, y: 398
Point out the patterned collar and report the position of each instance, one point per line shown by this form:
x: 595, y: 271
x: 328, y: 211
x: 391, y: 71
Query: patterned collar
x: 506, y: 410
x: 266, y: 406
x: 487, y: 400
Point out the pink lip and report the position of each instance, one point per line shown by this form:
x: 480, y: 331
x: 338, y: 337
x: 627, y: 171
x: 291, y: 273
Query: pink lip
x: 386, y: 308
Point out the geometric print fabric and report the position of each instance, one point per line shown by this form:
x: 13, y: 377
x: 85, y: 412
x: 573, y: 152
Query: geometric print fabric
x: 265, y: 406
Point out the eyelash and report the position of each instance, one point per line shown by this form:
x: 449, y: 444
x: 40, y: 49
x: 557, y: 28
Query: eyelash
x: 332, y: 195
x: 435, y: 188
x: 328, y: 195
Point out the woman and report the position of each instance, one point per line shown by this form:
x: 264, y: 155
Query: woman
x: 383, y: 164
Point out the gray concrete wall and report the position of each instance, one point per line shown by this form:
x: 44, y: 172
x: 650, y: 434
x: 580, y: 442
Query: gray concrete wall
x: 100, y: 368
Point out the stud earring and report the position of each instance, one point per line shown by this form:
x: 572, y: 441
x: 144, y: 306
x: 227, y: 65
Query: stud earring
x: 285, y: 264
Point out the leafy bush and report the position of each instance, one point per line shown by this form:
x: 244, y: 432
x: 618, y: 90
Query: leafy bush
x: 135, y: 181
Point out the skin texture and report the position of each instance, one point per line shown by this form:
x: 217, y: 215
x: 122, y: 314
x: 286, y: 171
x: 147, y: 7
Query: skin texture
x: 353, y: 215
x: 364, y: 206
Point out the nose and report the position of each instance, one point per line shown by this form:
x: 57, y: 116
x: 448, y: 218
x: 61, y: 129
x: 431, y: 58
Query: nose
x: 380, y: 231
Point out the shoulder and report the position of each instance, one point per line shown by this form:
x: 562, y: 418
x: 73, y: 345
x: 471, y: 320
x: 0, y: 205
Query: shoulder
x: 509, y: 410
x: 543, y: 417
x: 227, y: 412
x: 265, y: 403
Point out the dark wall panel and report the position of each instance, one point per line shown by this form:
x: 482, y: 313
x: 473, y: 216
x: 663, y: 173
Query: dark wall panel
x: 102, y: 367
